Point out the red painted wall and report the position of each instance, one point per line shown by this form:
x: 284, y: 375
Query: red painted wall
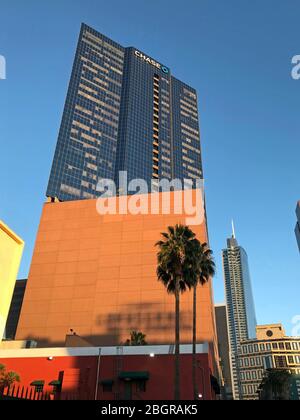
x: 80, y: 375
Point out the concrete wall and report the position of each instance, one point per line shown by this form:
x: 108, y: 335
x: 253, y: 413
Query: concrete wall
x: 97, y: 275
x: 78, y: 372
x: 11, y: 249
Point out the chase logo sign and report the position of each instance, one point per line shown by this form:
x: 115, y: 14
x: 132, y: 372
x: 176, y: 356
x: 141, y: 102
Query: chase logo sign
x: 149, y: 60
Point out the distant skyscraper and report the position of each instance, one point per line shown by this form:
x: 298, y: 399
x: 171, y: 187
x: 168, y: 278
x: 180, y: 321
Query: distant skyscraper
x: 223, y: 345
x: 297, y: 229
x: 124, y: 112
x: 240, y: 304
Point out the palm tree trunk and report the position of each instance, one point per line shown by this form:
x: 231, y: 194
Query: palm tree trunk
x: 177, y: 346
x: 195, y: 388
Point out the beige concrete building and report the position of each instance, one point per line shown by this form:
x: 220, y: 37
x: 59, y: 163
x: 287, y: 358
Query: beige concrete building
x: 272, y: 349
x: 11, y: 250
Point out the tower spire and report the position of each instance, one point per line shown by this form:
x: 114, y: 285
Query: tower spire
x: 233, y: 230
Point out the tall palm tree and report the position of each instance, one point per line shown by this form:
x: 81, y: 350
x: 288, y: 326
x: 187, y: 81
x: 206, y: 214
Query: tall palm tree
x: 171, y: 259
x: 200, y: 267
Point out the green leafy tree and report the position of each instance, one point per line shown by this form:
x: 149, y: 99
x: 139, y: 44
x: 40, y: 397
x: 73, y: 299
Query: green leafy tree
x: 171, y: 271
x: 276, y: 385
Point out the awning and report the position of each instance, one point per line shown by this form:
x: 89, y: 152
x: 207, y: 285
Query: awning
x: 134, y: 376
x: 106, y: 382
x: 37, y: 383
x: 55, y: 383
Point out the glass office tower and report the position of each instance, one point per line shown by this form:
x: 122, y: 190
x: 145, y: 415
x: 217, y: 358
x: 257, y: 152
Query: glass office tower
x: 240, y: 304
x: 124, y: 112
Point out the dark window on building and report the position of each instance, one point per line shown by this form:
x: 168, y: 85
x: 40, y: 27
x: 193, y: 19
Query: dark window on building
x: 288, y: 346
x: 280, y: 361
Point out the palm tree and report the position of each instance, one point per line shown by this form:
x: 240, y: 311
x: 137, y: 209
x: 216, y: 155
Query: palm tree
x: 171, y: 259
x: 7, y: 379
x: 200, y: 267
x: 137, y: 338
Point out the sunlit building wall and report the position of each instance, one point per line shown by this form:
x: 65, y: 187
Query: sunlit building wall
x: 11, y: 249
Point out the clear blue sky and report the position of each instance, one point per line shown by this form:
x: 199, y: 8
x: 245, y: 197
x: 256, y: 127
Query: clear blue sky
x: 236, y: 53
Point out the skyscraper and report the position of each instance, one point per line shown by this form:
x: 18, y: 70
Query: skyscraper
x: 240, y: 304
x: 297, y: 229
x: 124, y: 112
x: 223, y: 346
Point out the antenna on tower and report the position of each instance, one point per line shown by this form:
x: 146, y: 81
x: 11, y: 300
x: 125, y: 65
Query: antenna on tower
x: 233, y: 230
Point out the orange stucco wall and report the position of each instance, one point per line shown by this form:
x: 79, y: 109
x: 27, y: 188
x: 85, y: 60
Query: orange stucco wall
x: 97, y: 275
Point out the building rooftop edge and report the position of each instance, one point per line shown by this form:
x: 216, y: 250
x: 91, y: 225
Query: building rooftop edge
x: 11, y: 233
x: 105, y: 351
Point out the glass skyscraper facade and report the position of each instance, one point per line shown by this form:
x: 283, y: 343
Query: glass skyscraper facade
x: 124, y: 112
x: 240, y: 305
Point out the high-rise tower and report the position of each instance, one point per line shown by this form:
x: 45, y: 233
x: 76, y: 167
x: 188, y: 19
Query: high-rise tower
x: 124, y: 112
x: 240, y: 304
